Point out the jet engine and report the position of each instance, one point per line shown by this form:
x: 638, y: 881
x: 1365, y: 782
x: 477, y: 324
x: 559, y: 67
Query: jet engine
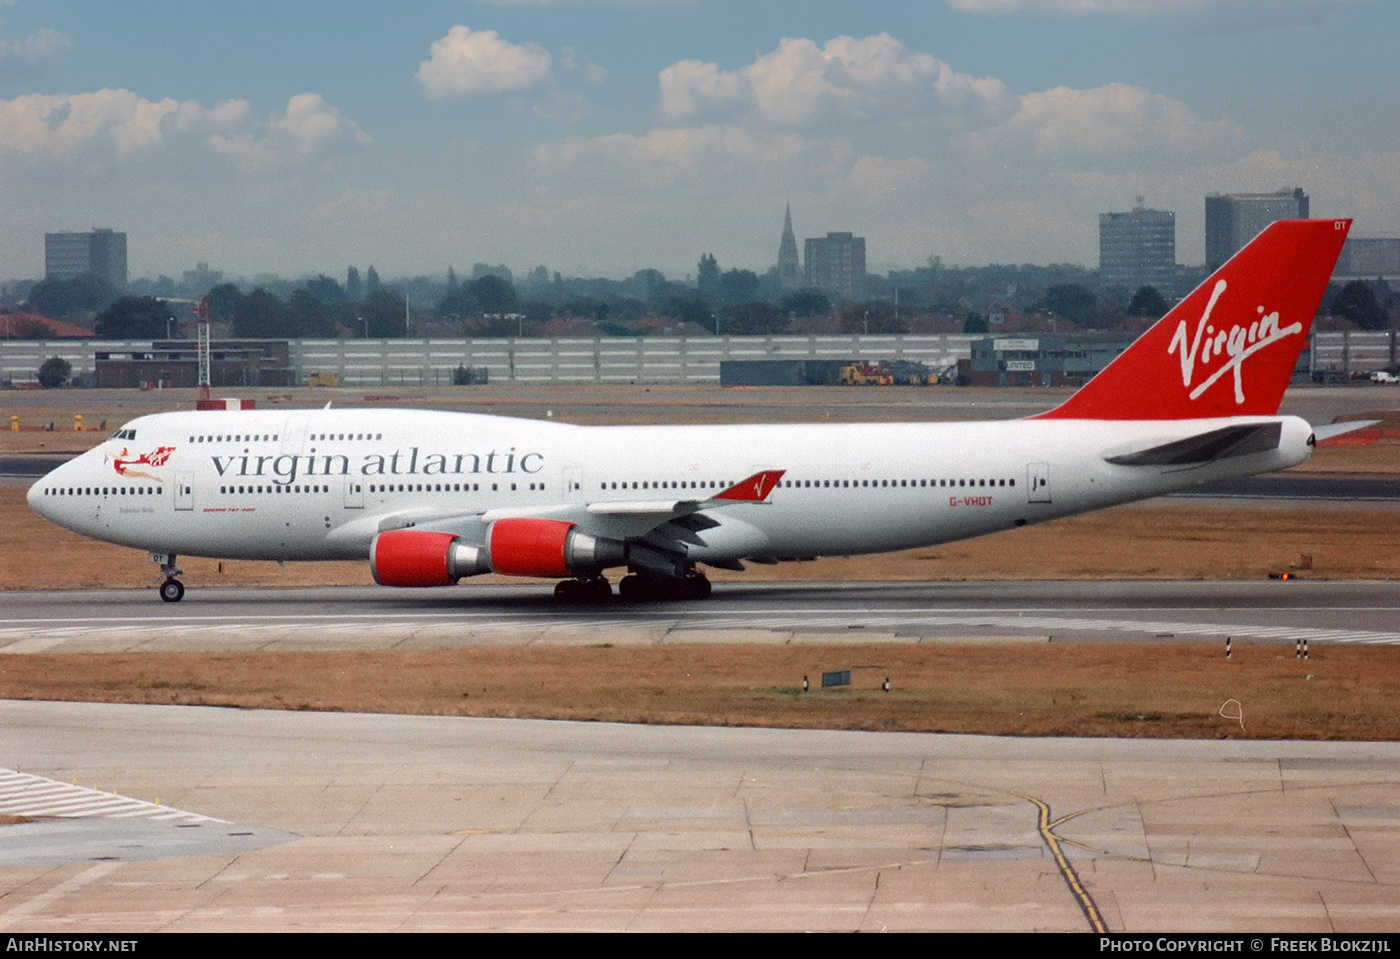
x: 410, y: 557
x: 514, y: 547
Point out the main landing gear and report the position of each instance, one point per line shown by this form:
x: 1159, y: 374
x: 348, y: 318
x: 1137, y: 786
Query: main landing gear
x: 171, y: 590
x: 641, y: 588
x: 594, y: 589
x: 634, y: 588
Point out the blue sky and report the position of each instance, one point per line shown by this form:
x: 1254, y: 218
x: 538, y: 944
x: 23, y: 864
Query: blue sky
x: 599, y: 137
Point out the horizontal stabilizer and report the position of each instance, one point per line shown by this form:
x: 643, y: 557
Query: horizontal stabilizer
x: 1206, y: 447
x: 1331, y: 430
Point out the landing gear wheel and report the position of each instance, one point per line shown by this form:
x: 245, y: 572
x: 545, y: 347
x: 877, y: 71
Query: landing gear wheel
x: 172, y: 590
x: 594, y: 590
x: 697, y: 586
x: 636, y: 589
x: 641, y: 588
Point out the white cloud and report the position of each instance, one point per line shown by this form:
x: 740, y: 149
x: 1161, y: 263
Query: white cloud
x: 1202, y: 15
x: 1074, y: 8
x: 33, y: 55
x: 56, y: 125
x: 308, y: 129
x: 470, y: 62
x: 592, y: 72
x: 874, y: 179
x: 1117, y: 118
x: 106, y: 124
x: 316, y: 125
x: 848, y: 78
x: 688, y: 86
x: 673, y: 151
x: 586, y: 3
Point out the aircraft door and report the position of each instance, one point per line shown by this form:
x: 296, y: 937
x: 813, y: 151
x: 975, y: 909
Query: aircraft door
x: 354, y: 492
x: 184, y: 489
x: 293, y: 435
x: 573, y: 484
x: 1038, y: 483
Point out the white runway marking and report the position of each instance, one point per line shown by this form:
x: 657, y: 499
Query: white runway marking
x: 36, y: 797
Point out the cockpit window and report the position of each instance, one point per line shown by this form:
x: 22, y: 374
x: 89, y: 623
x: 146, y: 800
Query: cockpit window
x: 124, y: 435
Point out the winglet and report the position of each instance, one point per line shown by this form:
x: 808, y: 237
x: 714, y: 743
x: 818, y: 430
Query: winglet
x: 1230, y: 348
x: 755, y: 489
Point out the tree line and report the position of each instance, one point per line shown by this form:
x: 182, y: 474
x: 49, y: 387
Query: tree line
x: 731, y: 302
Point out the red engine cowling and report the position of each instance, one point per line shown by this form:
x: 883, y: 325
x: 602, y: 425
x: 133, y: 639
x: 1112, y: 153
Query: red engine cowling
x: 410, y: 557
x: 514, y: 547
x: 529, y: 547
x: 549, y: 547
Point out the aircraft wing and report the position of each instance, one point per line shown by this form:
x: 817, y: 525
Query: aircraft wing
x: 622, y: 520
x: 630, y: 519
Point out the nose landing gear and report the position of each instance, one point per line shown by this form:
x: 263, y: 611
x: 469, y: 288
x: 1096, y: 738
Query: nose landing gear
x: 171, y: 590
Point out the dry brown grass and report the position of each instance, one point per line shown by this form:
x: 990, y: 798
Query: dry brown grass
x: 1043, y: 689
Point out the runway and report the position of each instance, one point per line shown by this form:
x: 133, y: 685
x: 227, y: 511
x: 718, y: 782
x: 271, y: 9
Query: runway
x: 349, y: 618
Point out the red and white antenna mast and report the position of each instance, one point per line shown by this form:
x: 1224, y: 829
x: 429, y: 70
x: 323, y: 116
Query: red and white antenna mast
x: 201, y: 312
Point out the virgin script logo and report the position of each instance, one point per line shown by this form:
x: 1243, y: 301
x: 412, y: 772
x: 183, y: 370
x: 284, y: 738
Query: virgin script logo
x: 1238, y: 343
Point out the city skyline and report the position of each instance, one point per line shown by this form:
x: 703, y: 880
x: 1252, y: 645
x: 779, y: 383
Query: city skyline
x: 600, y: 138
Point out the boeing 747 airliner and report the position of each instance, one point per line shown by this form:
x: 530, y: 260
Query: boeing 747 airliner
x: 429, y: 498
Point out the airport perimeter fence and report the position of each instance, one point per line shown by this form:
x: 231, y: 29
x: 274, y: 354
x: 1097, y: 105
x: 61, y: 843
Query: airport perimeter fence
x: 651, y: 360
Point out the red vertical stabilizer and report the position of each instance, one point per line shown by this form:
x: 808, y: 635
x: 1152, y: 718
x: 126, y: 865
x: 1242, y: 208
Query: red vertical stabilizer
x: 1230, y: 348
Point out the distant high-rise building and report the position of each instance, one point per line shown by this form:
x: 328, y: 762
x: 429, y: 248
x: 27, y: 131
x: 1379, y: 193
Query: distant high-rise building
x: 101, y: 252
x: 1369, y: 260
x: 789, y: 267
x: 835, y: 264
x: 1233, y: 219
x: 201, y: 278
x: 1138, y: 249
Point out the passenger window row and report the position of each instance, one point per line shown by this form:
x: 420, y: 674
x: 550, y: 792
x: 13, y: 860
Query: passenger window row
x: 102, y: 490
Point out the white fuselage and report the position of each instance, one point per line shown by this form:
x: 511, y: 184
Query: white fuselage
x: 318, y: 484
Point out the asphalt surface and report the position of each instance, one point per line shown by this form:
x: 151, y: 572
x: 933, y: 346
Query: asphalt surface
x: 355, y: 823
x: 351, y: 618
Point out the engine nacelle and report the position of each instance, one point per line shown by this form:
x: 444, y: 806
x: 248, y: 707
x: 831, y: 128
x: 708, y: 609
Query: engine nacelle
x: 549, y: 547
x: 514, y: 547
x: 410, y: 557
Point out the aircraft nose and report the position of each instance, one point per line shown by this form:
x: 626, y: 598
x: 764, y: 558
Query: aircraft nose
x: 41, y: 496
x: 36, y: 497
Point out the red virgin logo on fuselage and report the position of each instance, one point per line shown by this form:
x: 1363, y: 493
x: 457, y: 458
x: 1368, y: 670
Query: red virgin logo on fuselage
x: 124, y: 461
x: 1238, y: 343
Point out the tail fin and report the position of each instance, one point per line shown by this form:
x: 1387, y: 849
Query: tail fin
x: 1230, y: 348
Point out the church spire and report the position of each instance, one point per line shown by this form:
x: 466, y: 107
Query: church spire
x: 789, y: 269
